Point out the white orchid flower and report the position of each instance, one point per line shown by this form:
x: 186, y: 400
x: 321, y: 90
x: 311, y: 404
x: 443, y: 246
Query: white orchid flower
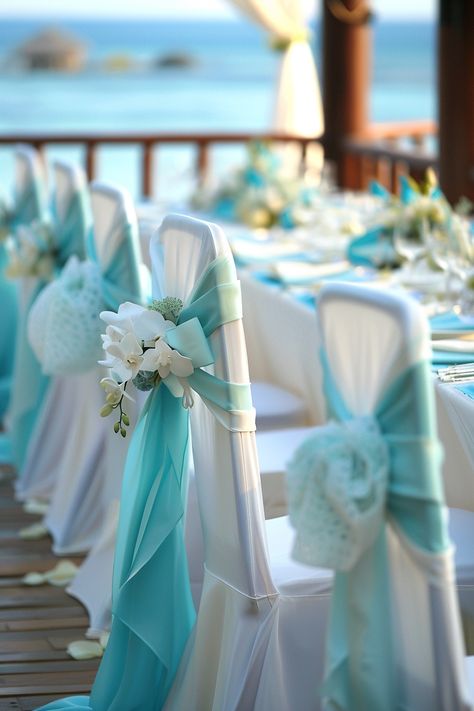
x: 112, y: 335
x: 166, y: 360
x: 145, y: 324
x: 125, y: 357
x: 114, y: 391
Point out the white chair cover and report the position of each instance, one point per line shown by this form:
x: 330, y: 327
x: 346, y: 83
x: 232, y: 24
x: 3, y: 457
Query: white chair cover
x: 385, y: 334
x: 246, y: 651
x: 76, y: 515
x: 28, y: 169
x: 46, y: 447
x: 93, y: 583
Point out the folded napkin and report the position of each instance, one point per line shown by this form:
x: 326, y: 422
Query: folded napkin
x: 373, y: 249
x: 249, y: 251
x: 453, y: 345
x: 409, y: 193
x: 297, y: 273
x: 375, y: 188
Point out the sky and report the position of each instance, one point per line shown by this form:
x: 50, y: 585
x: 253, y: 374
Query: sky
x: 187, y: 9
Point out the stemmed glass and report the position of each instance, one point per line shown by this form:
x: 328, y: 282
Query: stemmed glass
x: 409, y: 245
x: 450, y: 247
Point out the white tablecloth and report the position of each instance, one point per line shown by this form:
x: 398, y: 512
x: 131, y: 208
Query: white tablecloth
x: 283, y: 346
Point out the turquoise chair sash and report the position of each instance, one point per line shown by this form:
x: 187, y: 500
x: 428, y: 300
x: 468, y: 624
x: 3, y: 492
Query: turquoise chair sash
x: 361, y: 669
x: 27, y: 207
x: 30, y: 384
x: 120, y: 276
x: 70, y: 234
x: 153, y: 612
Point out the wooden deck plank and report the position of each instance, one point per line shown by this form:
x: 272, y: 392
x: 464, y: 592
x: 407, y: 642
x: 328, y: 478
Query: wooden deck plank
x: 33, y: 656
x: 44, y: 613
x: 65, y: 689
x: 36, y: 623
x: 49, y: 666
x: 39, y: 624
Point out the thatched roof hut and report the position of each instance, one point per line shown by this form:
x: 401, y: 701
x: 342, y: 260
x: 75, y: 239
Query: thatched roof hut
x: 52, y: 49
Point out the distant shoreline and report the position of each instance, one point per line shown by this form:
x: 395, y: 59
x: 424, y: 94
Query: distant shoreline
x: 54, y: 19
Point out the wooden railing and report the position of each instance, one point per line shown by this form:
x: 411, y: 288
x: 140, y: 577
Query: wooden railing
x: 149, y: 144
x: 387, y: 151
x: 383, y: 152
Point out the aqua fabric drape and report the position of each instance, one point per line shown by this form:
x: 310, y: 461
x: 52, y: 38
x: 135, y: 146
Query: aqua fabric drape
x: 27, y: 207
x: 361, y: 667
x: 30, y: 384
x: 9, y: 305
x: 120, y: 275
x: 153, y: 612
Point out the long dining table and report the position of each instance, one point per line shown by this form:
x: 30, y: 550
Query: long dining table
x: 283, y: 344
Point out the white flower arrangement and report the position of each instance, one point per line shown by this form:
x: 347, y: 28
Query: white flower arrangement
x: 31, y: 252
x: 137, y: 352
x: 262, y: 193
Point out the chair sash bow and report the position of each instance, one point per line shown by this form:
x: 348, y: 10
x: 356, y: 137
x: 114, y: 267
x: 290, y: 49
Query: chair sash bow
x: 360, y: 668
x: 337, y: 482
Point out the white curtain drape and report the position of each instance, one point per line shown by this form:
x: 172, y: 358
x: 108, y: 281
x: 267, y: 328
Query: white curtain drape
x: 298, y: 108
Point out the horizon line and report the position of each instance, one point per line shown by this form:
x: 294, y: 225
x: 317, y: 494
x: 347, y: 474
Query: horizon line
x: 177, y: 18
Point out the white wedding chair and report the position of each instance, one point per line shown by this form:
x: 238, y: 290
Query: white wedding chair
x: 254, y: 617
x: 27, y: 204
x: 93, y: 582
x: 36, y: 484
x: 392, y: 334
x: 76, y: 514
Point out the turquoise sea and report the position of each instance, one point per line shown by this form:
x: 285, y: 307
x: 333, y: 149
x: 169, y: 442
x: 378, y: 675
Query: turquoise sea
x: 228, y: 86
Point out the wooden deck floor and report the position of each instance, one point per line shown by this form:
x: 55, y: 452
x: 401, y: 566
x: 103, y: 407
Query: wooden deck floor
x: 36, y: 623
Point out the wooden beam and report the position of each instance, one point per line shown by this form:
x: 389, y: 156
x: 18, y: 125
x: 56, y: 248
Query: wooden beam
x: 347, y: 41
x: 456, y: 98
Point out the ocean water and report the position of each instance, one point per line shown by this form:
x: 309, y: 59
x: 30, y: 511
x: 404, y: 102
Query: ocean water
x: 228, y: 87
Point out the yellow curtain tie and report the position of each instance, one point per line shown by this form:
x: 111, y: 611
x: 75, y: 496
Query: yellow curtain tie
x: 281, y: 44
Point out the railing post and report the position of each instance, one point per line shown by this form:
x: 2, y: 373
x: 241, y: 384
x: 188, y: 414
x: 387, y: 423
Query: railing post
x: 91, y: 160
x: 147, y: 169
x: 202, y: 162
x: 40, y: 148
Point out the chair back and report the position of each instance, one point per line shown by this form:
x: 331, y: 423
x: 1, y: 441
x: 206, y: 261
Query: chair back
x: 71, y: 211
x: 377, y: 350
x: 225, y: 462
x: 116, y: 246
x: 69, y: 179
x: 30, y: 193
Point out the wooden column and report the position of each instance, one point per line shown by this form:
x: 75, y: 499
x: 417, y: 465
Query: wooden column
x: 456, y: 98
x: 347, y: 52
